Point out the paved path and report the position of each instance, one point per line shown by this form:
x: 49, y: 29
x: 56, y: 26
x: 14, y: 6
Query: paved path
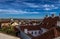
x: 4, y: 36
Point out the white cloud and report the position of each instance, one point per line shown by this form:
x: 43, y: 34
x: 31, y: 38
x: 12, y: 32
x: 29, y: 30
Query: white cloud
x: 18, y: 4
x: 46, y: 5
x: 31, y: 5
x: 52, y: 12
x: 16, y: 12
x: 41, y: 6
x: 47, y: 9
x: 50, y: 7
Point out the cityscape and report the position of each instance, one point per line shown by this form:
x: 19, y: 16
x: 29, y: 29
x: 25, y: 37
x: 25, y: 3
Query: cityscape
x: 29, y: 19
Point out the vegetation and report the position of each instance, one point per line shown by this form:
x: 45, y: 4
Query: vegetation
x: 8, y: 30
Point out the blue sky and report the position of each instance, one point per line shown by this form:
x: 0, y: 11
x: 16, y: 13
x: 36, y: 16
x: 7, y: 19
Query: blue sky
x: 28, y: 9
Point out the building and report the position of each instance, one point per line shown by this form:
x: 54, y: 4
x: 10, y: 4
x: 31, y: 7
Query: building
x: 31, y: 31
x: 49, y: 22
x: 48, y: 29
x: 4, y: 23
x: 53, y: 33
x: 14, y: 24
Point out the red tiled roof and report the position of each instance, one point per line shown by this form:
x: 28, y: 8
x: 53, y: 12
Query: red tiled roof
x: 4, y: 21
x: 49, y: 22
x: 52, y: 33
x: 30, y: 27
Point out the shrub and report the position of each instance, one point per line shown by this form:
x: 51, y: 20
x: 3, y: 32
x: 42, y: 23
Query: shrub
x: 8, y: 30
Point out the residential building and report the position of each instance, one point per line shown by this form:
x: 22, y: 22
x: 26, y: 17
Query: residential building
x: 48, y: 29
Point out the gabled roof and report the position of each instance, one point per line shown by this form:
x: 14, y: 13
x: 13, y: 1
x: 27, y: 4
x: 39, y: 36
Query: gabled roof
x: 49, y: 22
x: 30, y: 27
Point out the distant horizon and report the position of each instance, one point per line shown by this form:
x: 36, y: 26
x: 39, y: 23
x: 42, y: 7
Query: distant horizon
x: 21, y: 18
x: 26, y: 17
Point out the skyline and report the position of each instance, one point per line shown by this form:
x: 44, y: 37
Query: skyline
x: 29, y: 9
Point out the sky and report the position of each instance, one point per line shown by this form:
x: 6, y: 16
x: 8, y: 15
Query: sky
x: 28, y: 9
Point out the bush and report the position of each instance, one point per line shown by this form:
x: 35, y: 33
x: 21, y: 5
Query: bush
x: 8, y: 30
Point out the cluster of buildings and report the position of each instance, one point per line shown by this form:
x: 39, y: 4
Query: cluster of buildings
x: 21, y: 22
x: 49, y: 28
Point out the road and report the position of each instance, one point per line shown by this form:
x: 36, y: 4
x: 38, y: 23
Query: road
x: 4, y: 36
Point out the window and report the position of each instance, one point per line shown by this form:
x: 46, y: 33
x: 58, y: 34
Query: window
x: 31, y: 32
x: 35, y: 32
x: 39, y: 32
